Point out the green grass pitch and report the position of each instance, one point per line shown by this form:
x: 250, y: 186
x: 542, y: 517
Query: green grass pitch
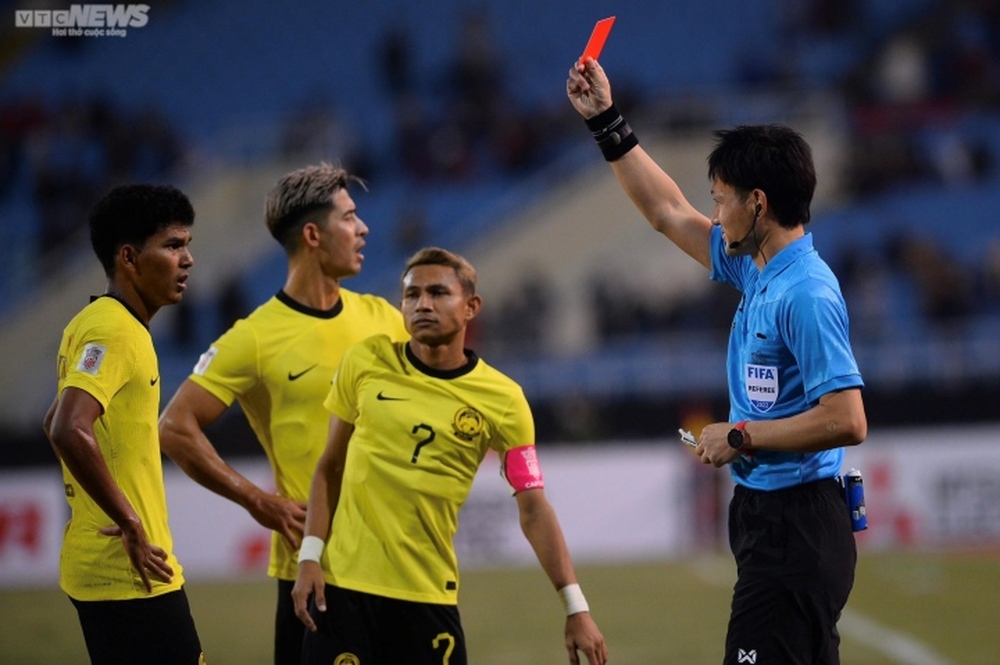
x: 927, y: 608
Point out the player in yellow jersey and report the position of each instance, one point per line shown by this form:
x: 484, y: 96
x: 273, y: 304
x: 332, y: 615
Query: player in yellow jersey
x: 278, y: 363
x: 412, y: 421
x: 117, y: 563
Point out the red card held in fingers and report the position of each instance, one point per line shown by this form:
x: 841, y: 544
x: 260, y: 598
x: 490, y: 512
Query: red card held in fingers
x: 597, y: 38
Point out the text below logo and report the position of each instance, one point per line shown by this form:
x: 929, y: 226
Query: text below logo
x: 98, y: 20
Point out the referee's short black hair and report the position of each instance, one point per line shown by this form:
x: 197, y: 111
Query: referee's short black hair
x: 130, y: 214
x: 772, y: 158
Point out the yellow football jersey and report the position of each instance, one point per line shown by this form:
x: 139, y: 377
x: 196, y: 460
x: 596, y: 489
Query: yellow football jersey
x: 278, y: 363
x: 420, y: 435
x: 107, y: 352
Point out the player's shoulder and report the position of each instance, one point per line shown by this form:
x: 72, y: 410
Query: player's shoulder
x: 375, y: 345
x: 265, y: 311
x: 379, y: 350
x: 368, y: 302
x: 270, y: 315
x: 105, y: 314
x: 496, y: 376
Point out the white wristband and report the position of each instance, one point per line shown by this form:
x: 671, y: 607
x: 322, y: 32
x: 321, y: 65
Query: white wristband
x: 312, y: 549
x: 573, y: 599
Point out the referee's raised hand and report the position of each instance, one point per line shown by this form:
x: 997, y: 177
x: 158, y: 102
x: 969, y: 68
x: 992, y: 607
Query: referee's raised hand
x: 588, y: 88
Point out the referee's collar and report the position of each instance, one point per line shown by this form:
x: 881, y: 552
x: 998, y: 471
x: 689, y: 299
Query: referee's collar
x: 470, y: 355
x: 786, y: 257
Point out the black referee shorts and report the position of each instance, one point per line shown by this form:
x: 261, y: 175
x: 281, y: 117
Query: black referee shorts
x: 156, y: 631
x: 795, y: 559
x: 362, y: 628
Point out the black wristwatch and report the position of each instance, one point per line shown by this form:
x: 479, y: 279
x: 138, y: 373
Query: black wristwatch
x: 739, y: 437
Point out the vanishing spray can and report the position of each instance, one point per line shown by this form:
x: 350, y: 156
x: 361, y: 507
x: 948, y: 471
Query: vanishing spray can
x: 854, y: 492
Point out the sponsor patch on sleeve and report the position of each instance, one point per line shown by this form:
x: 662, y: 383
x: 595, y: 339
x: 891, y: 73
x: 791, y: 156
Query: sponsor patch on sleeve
x: 91, y: 359
x: 204, y: 361
x: 521, y: 469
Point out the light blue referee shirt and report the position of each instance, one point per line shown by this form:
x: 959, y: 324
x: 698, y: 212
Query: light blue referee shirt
x: 789, y: 346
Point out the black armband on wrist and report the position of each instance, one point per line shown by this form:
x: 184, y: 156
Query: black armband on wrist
x: 614, y: 136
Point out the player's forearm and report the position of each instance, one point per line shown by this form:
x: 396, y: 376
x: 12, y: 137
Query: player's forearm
x: 197, y: 457
x: 541, y: 528
x: 47, y: 427
x: 324, y: 493
x: 47, y: 420
x: 82, y: 456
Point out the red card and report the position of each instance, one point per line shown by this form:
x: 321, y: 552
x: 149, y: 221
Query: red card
x: 597, y: 38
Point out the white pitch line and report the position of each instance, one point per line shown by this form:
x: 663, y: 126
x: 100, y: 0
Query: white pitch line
x: 900, y: 647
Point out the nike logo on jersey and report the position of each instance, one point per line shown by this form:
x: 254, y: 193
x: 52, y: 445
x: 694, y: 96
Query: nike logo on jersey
x: 292, y: 377
x: 153, y: 381
x: 386, y: 398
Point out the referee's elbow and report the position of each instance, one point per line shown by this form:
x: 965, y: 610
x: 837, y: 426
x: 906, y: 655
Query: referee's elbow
x: 856, y: 430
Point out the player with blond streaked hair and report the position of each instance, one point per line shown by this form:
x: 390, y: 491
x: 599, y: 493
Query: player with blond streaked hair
x: 277, y: 364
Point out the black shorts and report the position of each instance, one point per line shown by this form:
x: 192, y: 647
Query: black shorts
x: 158, y: 630
x: 288, y: 628
x: 373, y: 630
x: 795, y: 559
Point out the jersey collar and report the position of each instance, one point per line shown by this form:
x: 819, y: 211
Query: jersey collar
x: 310, y: 311
x: 473, y: 360
x: 123, y: 304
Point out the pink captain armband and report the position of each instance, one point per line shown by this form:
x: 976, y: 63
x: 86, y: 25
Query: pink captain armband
x: 521, y: 468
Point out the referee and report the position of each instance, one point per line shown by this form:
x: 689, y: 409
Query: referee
x: 794, y: 385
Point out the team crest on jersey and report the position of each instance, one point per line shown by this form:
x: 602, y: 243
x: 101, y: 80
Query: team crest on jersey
x: 93, y: 356
x: 762, y: 386
x: 347, y: 659
x: 468, y: 423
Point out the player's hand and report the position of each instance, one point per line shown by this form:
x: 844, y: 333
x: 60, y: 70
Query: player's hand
x: 146, y: 558
x: 582, y: 634
x: 588, y: 88
x: 281, y: 514
x: 309, y: 582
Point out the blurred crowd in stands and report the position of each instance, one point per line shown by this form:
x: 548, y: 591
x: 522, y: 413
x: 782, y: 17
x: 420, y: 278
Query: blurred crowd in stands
x: 923, y: 77
x: 468, y: 122
x: 67, y: 155
x: 905, y: 99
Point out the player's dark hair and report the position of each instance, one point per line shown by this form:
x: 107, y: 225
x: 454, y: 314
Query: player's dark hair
x: 435, y: 256
x: 772, y: 158
x: 130, y: 214
x: 301, y: 196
